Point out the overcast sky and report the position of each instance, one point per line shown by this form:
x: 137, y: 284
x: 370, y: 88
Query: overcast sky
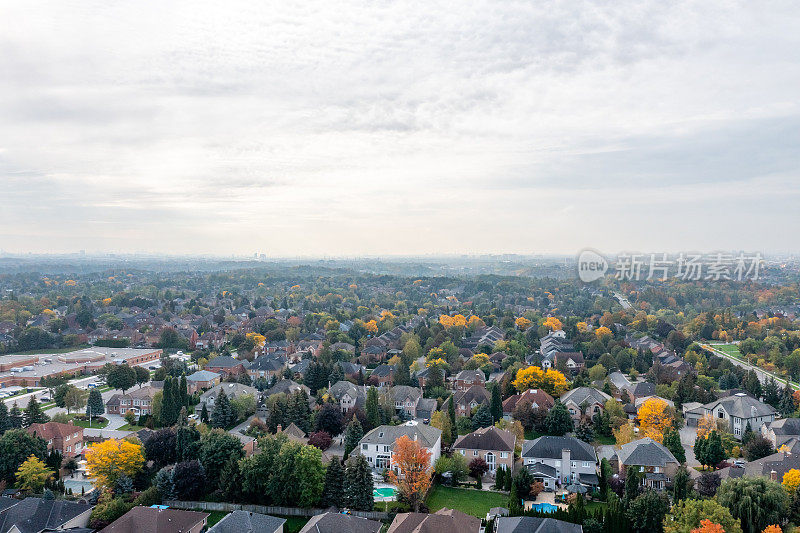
x: 303, y: 128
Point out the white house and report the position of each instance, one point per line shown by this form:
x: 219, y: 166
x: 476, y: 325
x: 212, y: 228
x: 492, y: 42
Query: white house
x: 738, y: 410
x: 378, y: 445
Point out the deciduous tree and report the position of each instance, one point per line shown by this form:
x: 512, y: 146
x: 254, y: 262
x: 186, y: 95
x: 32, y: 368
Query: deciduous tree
x: 412, y: 461
x: 108, y: 460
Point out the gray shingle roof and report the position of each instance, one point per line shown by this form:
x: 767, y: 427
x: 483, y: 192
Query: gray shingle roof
x: 584, y: 394
x: 534, y: 524
x: 489, y: 438
x: 340, y: 523
x: 549, y: 447
x: 645, y: 452
x: 246, y: 522
x: 32, y: 515
x: 743, y: 406
x: 426, y: 435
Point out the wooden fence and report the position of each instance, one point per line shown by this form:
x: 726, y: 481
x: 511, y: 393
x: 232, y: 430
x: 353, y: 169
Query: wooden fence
x: 266, y: 509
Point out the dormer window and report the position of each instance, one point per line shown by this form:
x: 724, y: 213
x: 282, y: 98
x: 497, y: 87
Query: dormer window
x: 380, y: 435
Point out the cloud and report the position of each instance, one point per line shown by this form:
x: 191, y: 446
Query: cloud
x: 363, y: 127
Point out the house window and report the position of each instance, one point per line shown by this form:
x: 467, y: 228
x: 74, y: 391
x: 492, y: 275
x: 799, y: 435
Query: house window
x: 365, y: 446
x: 503, y: 455
x: 386, y: 449
x: 463, y: 452
x: 558, y: 463
x: 586, y: 464
x: 475, y: 453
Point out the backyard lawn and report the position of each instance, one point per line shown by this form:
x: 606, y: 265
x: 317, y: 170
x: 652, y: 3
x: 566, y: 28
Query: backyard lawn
x: 294, y: 523
x: 128, y: 427
x: 472, y: 502
x: 94, y: 424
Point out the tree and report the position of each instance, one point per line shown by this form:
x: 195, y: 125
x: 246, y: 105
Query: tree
x: 477, y: 468
x: 121, y: 377
x: 216, y: 447
x: 107, y: 460
x: 189, y: 480
x: 558, y: 420
x: 497, y: 403
x: 230, y: 480
x: 15, y: 447
x: 160, y: 447
x: 441, y: 421
x: 320, y: 439
x: 606, y: 472
x: 32, y: 474
x: 687, y: 515
x: 372, y: 408
x: 757, y: 448
x: 15, y: 417
x: 5, y: 421
x: 333, y: 492
x: 329, y: 419
x: 758, y: 502
x: 223, y: 415
x: 352, y: 436
x: 187, y: 443
x: 646, y: 512
x: 709, y: 451
x: 551, y: 381
x: 482, y: 417
x: 585, y: 432
x: 451, y: 412
x: 707, y: 526
x: 632, y: 485
x: 142, y: 375
x: 655, y: 418
x: 707, y: 484
x: 672, y: 441
x: 681, y: 484
x: 413, y: 478
x: 75, y: 399
x: 95, y: 405
x: 204, y: 414
x: 310, y: 475
x: 791, y: 480
x: 358, y: 484
x: 33, y: 413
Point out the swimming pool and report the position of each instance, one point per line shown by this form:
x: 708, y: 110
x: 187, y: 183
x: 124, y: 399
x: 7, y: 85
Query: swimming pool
x: 384, y: 492
x: 544, y: 507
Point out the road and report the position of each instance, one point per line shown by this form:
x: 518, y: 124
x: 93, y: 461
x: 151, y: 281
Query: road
x: 762, y: 374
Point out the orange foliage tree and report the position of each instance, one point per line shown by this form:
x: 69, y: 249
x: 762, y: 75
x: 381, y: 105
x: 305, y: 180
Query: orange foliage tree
x: 707, y: 526
x: 413, y: 463
x: 772, y: 529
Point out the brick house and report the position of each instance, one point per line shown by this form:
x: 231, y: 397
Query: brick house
x: 202, y: 379
x: 226, y: 366
x: 495, y: 446
x: 140, y: 401
x: 66, y: 438
x: 467, y: 400
x: 467, y: 378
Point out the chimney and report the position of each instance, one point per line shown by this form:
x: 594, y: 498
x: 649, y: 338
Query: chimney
x: 773, y: 475
x: 279, y: 428
x: 565, y: 464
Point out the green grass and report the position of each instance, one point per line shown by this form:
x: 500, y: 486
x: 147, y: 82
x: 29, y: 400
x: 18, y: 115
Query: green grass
x: 530, y: 434
x: 730, y: 349
x: 472, y: 502
x: 601, y: 439
x: 593, y: 506
x: 93, y: 425
x: 128, y: 427
x: 294, y: 523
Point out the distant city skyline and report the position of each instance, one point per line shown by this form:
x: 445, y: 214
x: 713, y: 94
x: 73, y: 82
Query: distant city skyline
x: 401, y: 129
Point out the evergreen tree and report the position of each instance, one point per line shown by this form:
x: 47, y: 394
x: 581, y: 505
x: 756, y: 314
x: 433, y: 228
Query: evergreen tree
x: 681, y: 484
x: 514, y: 502
x: 167, y: 404
x: 352, y: 436
x: 672, y: 441
x: 631, y: 485
x: 5, y: 421
x: 451, y: 411
x: 336, y: 375
x: 771, y: 393
x: 204, y: 414
x: 604, y: 478
x: 333, y: 493
x: 221, y: 416
x: 230, y: 481
x: 15, y: 417
x: 499, y: 479
x: 373, y: 408
x: 497, y: 403
x: 585, y: 432
x: 94, y: 404
x: 482, y: 417
x: 187, y: 443
x: 748, y: 435
x: 34, y: 414
x: 786, y: 405
x: 558, y: 420
x: 184, y: 391
x: 358, y: 485
x: 298, y: 410
x: 401, y: 374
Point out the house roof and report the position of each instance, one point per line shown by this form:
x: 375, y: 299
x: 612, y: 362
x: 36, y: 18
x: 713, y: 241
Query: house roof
x: 265, y: 363
x: 476, y: 392
x: 286, y: 386
x: 780, y: 463
x: 203, y: 375
x: 232, y: 390
x: 488, y: 438
x: 742, y: 406
x: 542, y: 469
x: 438, y: 522
x: 534, y: 524
x: 535, y: 396
x: 471, y: 375
x: 550, y: 447
x: 340, y: 388
x: 645, y: 452
x: 340, y: 523
x: 51, y: 430
x: 293, y: 431
x: 247, y: 522
x: 223, y: 361
x: 382, y: 371
x: 154, y: 520
x: 33, y: 515
x: 589, y: 395
x: 426, y: 435
x: 403, y: 392
x: 785, y: 426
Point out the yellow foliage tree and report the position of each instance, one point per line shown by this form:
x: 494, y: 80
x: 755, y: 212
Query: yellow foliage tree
x: 522, y: 323
x: 582, y: 326
x: 553, y: 323
x: 602, y: 331
x: 655, y: 418
x: 32, y: 474
x: 413, y: 462
x: 791, y: 480
x: 371, y: 326
x: 108, y: 460
x: 624, y: 434
x: 551, y: 381
x: 706, y: 425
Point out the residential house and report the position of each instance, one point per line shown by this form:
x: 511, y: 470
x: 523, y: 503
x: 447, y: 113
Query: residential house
x: 739, y: 410
x: 409, y: 402
x: 286, y: 386
x: 66, y: 438
x: 201, y: 380
x: 467, y: 378
x: 351, y: 370
x: 536, y: 397
x: 495, y: 446
x: 232, y: 390
x: 140, y: 401
x: 248, y: 522
x: 378, y: 445
x: 331, y: 522
x: 571, y: 361
x: 382, y: 376
x: 467, y: 400
x: 559, y: 461
x: 652, y: 459
x: 486, y: 336
x: 442, y: 520
x: 534, y: 524
x: 348, y: 395
x: 36, y: 515
x: 226, y: 365
x: 265, y: 367
x: 773, y: 466
x: 781, y: 431
x: 584, y: 401
x: 158, y: 520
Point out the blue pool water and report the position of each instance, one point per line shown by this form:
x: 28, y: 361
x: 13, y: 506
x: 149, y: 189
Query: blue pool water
x: 544, y: 507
